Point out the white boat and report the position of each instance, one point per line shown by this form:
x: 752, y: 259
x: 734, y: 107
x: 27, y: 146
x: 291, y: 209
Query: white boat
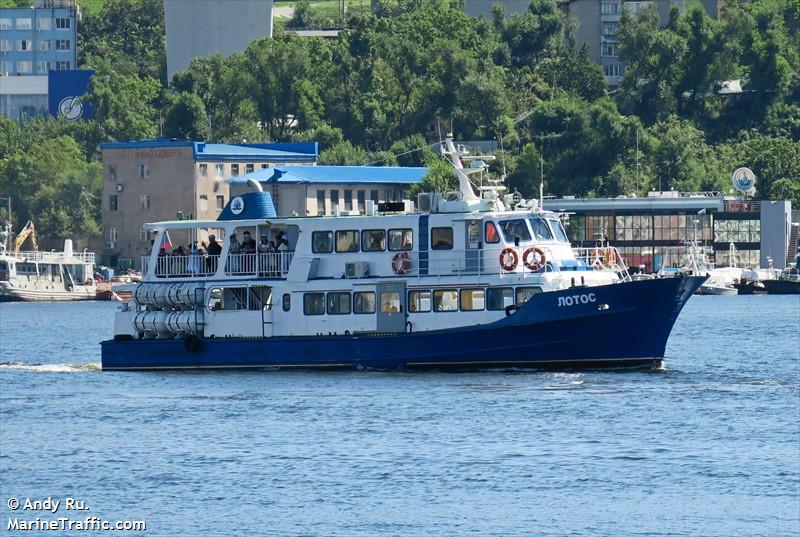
x: 46, y: 276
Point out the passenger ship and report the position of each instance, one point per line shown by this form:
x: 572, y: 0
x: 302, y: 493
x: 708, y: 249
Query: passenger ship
x: 464, y: 282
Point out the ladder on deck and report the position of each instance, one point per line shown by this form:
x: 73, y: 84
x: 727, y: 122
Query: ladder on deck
x: 791, y: 252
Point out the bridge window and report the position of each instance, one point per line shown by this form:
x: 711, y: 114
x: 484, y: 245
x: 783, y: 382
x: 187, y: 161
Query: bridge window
x: 339, y: 303
x: 400, y: 240
x: 314, y: 303
x: 498, y: 298
x: 558, y: 230
x: 515, y: 230
x: 364, y: 302
x: 322, y: 242
x: 419, y: 301
x: 373, y: 240
x: 445, y: 300
x: 540, y: 230
x: 473, y: 299
x: 442, y: 238
x: 346, y: 241
x: 525, y: 293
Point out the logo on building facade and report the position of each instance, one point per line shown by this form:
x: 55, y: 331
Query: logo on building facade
x: 237, y: 205
x: 744, y: 180
x: 70, y: 108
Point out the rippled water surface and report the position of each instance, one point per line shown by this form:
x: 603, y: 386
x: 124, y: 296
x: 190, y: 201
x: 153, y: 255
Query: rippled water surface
x: 710, y: 446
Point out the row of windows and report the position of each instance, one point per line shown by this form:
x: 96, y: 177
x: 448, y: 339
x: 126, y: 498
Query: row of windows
x: 422, y: 301
x: 25, y: 23
x: 42, y: 66
x: 372, y: 240
x: 26, y: 45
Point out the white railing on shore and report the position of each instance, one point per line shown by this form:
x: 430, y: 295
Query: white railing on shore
x: 265, y: 265
x: 54, y: 257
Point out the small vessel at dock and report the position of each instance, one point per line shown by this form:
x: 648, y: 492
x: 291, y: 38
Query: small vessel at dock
x: 46, y: 276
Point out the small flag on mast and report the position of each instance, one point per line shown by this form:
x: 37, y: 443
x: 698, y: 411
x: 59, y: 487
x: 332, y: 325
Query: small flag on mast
x: 166, y: 244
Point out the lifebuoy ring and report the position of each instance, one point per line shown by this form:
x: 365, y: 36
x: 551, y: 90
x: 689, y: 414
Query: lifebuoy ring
x: 509, y: 259
x: 538, y: 261
x: 401, y: 263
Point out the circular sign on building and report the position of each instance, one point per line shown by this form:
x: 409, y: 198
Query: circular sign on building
x: 70, y: 108
x: 744, y: 180
x: 237, y: 205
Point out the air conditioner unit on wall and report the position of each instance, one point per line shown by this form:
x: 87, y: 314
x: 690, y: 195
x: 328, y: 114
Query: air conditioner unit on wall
x: 120, y: 188
x: 358, y: 269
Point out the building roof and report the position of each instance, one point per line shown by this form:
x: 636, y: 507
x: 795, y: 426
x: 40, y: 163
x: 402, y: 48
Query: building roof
x: 635, y: 204
x: 335, y: 174
x: 278, y: 152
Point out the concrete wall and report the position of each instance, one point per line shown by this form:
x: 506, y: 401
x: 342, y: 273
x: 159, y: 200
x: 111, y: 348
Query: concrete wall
x: 776, y: 217
x: 202, y: 28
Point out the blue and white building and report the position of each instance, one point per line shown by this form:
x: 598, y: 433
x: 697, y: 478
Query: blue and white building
x: 33, y: 41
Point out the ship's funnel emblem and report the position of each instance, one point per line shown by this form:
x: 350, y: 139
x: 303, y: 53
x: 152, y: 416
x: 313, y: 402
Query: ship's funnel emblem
x: 237, y: 205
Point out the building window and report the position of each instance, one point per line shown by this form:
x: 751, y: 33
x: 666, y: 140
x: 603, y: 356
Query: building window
x: 44, y: 23
x: 62, y: 44
x: 346, y: 241
x: 314, y: 303
x: 144, y: 171
x: 5, y: 45
x: 220, y: 203
x: 320, y: 202
x: 203, y: 204
x: 63, y: 23
x: 112, y: 234
x: 373, y: 240
x: 112, y: 202
x: 24, y: 67
x: 362, y: 200
x: 112, y: 173
x: 43, y: 45
x: 220, y: 170
x: 334, y: 200
x: 322, y: 242
x: 63, y: 65
x: 419, y: 301
x: 264, y: 166
x: 6, y: 67
x: 42, y: 66
x: 445, y: 300
x: 442, y: 238
x: 400, y: 240
x: 5, y: 24
x: 24, y: 45
x: 234, y: 169
x: 24, y: 23
x: 143, y: 235
x: 610, y: 29
x: 204, y: 169
x: 612, y: 70
x: 473, y: 299
x: 348, y: 200
x: 248, y: 168
x: 609, y: 50
x: 609, y: 8
x: 144, y: 202
x: 364, y: 302
x: 339, y: 303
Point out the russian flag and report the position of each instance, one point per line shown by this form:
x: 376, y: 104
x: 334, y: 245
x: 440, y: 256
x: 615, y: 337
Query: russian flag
x: 166, y: 244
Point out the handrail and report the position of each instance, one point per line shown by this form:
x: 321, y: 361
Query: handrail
x: 55, y: 257
x: 265, y: 265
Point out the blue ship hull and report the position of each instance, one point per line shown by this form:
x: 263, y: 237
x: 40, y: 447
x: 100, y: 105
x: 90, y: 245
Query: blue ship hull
x: 622, y: 325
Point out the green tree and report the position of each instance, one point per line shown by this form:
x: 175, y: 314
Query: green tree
x: 345, y: 154
x: 186, y: 118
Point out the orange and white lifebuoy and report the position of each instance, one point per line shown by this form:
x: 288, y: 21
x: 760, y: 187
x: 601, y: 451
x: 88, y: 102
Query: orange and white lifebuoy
x: 534, y: 258
x: 400, y: 263
x: 509, y: 259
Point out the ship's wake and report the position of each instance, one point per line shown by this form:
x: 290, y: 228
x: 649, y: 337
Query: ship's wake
x: 51, y: 368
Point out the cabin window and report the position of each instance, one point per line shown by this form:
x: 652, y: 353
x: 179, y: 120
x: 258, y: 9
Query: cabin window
x: 314, y: 303
x: 442, y: 238
x: 287, y: 302
x: 515, y: 230
x: 259, y: 297
x: 558, y: 230
x: 419, y: 301
x: 364, y: 302
x: 400, y: 240
x: 473, y: 299
x: 540, y: 230
x: 498, y: 298
x: 390, y: 302
x: 228, y: 298
x: 492, y: 236
x: 373, y: 240
x: 346, y: 241
x: 322, y: 242
x: 525, y: 293
x: 339, y: 303
x: 445, y: 300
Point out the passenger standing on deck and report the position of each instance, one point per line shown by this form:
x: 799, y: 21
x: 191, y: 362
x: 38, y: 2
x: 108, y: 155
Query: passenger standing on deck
x: 234, y: 253
x: 214, y: 251
x: 194, y: 259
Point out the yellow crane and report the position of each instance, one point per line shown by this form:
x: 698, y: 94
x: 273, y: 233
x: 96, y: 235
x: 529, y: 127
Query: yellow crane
x: 27, y: 231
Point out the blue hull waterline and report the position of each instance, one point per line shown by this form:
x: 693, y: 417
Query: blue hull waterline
x: 621, y: 325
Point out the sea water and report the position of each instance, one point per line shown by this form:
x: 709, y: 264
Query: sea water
x: 708, y: 446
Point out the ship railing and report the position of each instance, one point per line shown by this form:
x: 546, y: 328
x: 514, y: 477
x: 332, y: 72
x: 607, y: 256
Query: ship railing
x: 479, y: 262
x: 182, y: 266
x: 56, y: 257
x: 264, y: 265
x: 603, y: 258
